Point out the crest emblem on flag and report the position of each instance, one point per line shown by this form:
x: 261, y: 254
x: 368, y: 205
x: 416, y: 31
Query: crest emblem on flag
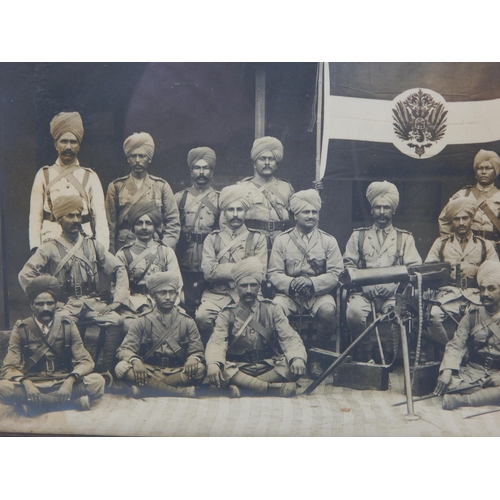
x: 419, y: 121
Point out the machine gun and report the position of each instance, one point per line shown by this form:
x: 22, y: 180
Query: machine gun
x: 411, y: 280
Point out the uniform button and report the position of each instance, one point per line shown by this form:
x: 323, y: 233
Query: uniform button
x: 463, y: 260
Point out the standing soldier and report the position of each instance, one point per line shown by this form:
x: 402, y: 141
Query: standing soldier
x: 221, y: 250
x: 269, y: 196
x: 66, y: 177
x: 304, y: 267
x: 466, y: 252
x: 486, y: 196
x: 47, y: 366
x: 124, y: 192
x: 381, y: 245
x: 199, y: 215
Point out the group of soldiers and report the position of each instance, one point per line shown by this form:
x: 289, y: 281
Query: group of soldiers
x: 161, y: 294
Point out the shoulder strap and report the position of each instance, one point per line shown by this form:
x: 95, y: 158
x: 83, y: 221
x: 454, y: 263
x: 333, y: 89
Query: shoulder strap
x: 182, y: 203
x: 467, y: 191
x: 441, y: 249
x: 217, y: 244
x: 70, y: 254
x: 361, y: 242
x: 150, y: 263
x: 249, y: 250
x: 489, y: 213
x: 163, y: 333
x: 46, y: 176
x: 133, y: 200
x: 128, y: 256
x: 399, y: 247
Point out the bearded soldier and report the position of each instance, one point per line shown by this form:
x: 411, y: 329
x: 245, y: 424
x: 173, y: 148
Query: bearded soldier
x: 253, y: 347
x: 486, y: 197
x: 199, y: 215
x: 466, y: 252
x: 124, y: 192
x: 47, y: 366
x: 66, y: 177
x: 381, y: 245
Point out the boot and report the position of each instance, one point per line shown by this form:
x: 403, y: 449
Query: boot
x: 244, y: 381
x: 160, y: 386
x: 82, y: 403
x: 484, y: 397
x: 284, y: 389
x: 271, y: 376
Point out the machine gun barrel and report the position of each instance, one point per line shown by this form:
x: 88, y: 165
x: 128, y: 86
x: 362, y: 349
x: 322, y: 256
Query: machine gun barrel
x: 373, y: 276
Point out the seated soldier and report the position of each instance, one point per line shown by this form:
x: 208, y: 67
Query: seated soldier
x: 304, y: 267
x: 477, y: 339
x: 253, y: 347
x: 46, y: 366
x: 221, y: 250
x: 76, y: 260
x: 144, y: 257
x: 162, y: 353
x: 381, y: 245
x: 467, y: 252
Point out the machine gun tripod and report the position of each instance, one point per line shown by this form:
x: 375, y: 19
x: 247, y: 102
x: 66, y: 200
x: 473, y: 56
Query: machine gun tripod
x: 408, y: 303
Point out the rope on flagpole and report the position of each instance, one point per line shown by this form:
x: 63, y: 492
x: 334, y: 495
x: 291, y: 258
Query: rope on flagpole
x: 319, y: 121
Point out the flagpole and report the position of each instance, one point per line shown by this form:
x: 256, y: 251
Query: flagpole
x: 319, y: 121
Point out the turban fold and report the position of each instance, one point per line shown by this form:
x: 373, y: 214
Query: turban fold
x: 197, y: 154
x: 384, y: 189
x: 160, y: 281
x: 302, y: 199
x: 67, y: 122
x: 41, y: 284
x: 64, y: 205
x: 233, y: 193
x: 143, y: 207
x: 489, y: 271
x: 246, y: 268
x: 461, y: 204
x: 490, y: 156
x: 138, y: 139
x: 267, y: 144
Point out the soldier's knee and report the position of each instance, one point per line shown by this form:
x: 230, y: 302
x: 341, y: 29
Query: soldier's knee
x: 436, y: 315
x: 94, y: 384
x: 326, y: 312
x: 205, y: 319
x: 6, y: 389
x: 200, y: 373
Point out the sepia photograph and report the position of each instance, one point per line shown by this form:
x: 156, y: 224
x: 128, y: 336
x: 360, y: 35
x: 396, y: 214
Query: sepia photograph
x: 250, y: 249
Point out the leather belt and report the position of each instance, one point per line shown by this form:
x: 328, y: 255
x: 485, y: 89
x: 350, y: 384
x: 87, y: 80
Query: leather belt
x: 253, y: 356
x: 195, y: 237
x: 79, y: 290
x: 49, y: 216
x: 488, y: 235
x: 267, y: 225
x: 487, y: 361
x: 465, y: 283
x: 163, y: 361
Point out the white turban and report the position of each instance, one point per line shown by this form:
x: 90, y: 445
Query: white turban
x: 490, y: 156
x: 138, y: 139
x: 267, y: 144
x: 67, y: 122
x: 386, y: 190
x: 160, y: 281
x: 302, y: 199
x: 461, y: 204
x: 489, y: 271
x: 203, y: 153
x: 230, y: 194
x: 250, y: 267
x: 64, y: 205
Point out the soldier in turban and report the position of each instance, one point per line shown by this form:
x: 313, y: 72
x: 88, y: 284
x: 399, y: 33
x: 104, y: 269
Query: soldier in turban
x: 253, y: 347
x: 269, y: 196
x: 221, y: 250
x: 144, y: 257
x: 199, y: 214
x: 76, y: 261
x: 162, y: 354
x: 124, y: 192
x: 380, y: 245
x: 47, y: 367
x: 477, y: 336
x: 465, y: 252
x: 66, y: 177
x: 486, y: 197
x: 304, y: 267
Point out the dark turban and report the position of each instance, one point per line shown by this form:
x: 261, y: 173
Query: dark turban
x: 490, y: 156
x: 67, y: 122
x: 384, y: 189
x: 250, y: 267
x: 41, y: 284
x: 230, y: 194
x: 489, y: 271
x: 302, y: 199
x: 267, y: 144
x: 160, y: 281
x: 138, y: 139
x: 64, y: 205
x: 461, y: 204
x: 149, y: 208
x: 206, y: 154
